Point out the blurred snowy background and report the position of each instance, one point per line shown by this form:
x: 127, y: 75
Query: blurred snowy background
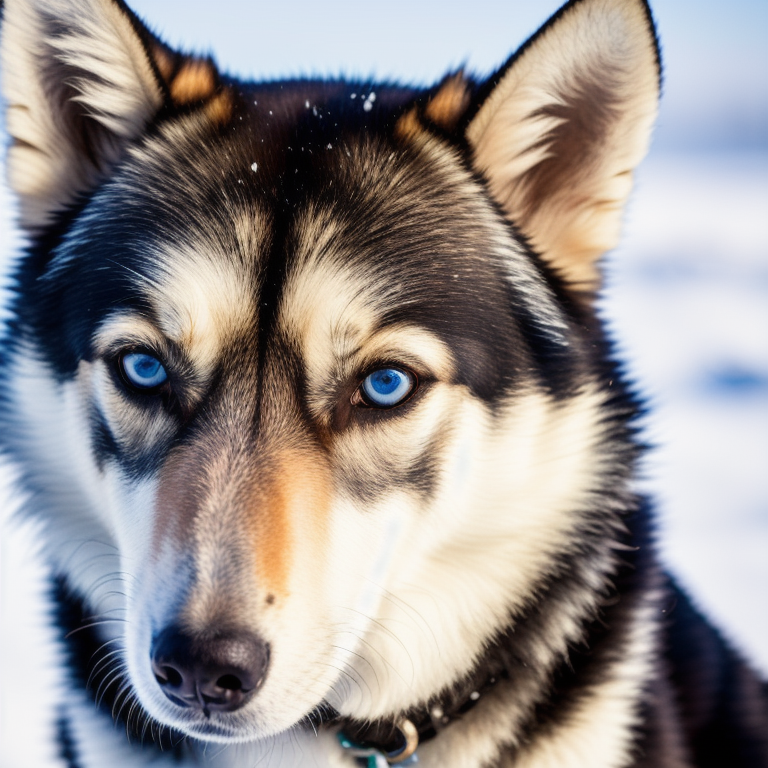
x: 686, y: 298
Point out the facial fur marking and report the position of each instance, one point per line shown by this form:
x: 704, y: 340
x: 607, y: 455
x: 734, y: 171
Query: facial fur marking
x: 195, y: 81
x: 448, y: 105
x: 271, y: 527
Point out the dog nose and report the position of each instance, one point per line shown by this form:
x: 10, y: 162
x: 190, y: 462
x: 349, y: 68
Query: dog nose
x: 214, y: 673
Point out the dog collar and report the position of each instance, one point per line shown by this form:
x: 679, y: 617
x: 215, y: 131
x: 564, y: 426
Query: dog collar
x: 395, y: 742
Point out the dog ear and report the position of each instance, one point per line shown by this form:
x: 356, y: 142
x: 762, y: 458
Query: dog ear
x: 82, y: 80
x: 561, y: 127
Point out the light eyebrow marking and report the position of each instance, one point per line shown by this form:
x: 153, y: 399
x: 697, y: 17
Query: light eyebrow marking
x: 123, y: 328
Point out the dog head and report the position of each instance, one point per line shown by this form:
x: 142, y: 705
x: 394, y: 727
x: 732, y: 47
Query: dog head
x: 304, y: 378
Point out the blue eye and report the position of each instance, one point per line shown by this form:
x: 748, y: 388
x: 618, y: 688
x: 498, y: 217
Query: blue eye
x: 387, y: 387
x: 143, y: 371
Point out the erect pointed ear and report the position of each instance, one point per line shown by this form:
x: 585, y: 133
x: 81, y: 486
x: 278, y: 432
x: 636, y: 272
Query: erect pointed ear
x: 562, y: 126
x: 82, y: 80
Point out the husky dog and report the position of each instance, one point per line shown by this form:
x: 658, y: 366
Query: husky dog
x: 305, y: 382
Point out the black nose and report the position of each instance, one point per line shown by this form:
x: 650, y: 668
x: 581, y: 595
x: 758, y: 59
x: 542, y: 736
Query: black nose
x: 215, y: 673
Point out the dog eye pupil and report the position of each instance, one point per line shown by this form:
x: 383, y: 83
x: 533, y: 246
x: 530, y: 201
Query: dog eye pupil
x: 387, y: 387
x: 143, y: 371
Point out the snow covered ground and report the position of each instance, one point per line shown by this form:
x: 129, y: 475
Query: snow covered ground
x: 687, y: 299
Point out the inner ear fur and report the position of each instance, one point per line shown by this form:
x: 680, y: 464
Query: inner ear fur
x: 562, y: 126
x: 81, y: 81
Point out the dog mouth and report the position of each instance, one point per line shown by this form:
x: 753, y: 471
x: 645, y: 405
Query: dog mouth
x: 213, y: 729
x: 206, y: 724
x: 225, y: 694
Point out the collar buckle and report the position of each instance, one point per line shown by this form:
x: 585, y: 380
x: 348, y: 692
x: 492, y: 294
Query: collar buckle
x: 375, y: 758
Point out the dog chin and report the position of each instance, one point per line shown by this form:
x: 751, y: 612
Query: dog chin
x: 217, y: 733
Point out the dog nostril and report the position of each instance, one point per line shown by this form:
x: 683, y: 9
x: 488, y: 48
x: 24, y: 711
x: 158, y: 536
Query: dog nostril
x: 168, y: 676
x: 230, y: 683
x: 216, y: 672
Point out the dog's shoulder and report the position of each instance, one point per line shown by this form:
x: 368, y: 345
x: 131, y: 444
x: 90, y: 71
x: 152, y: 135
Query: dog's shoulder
x: 706, y: 704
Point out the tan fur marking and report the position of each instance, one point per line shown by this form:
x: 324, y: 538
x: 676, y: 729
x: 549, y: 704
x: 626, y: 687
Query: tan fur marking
x: 195, y: 81
x: 219, y: 108
x: 409, y: 126
x: 447, y: 106
x: 270, y: 531
x: 276, y: 507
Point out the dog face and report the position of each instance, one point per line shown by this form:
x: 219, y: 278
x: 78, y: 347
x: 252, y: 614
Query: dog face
x: 305, y: 383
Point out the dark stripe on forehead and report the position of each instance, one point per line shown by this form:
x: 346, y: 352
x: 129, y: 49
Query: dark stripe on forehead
x: 269, y: 293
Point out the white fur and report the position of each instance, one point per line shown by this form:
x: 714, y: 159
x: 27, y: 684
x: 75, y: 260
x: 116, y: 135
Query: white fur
x: 599, y: 734
x: 294, y: 748
x: 203, y: 297
x: 69, y: 493
x: 469, y: 560
x: 506, y: 505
